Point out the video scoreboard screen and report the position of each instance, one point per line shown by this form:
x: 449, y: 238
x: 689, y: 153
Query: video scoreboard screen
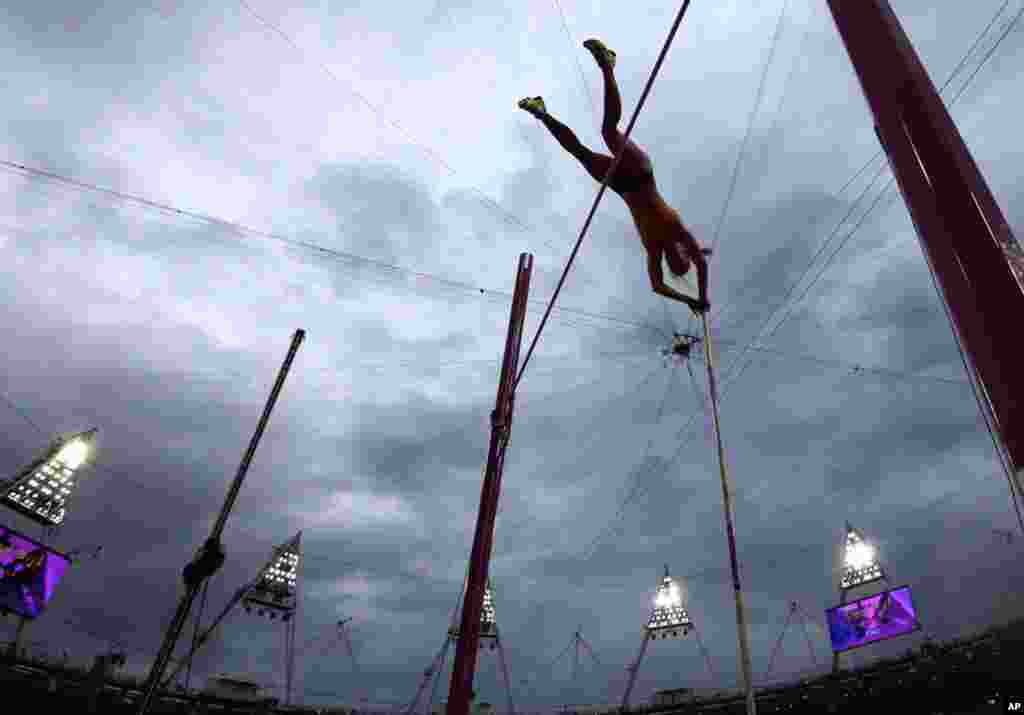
x: 875, y: 618
x: 29, y: 573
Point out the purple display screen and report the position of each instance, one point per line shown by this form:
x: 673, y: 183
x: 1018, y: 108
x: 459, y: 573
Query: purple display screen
x: 875, y: 618
x: 30, y: 573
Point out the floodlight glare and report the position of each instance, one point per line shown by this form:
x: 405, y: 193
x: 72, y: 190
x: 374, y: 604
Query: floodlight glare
x: 860, y: 555
x: 860, y: 561
x: 74, y: 453
x: 669, y: 614
x: 274, y: 590
x: 42, y: 489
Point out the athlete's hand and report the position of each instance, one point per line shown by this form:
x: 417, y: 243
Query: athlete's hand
x: 699, y: 307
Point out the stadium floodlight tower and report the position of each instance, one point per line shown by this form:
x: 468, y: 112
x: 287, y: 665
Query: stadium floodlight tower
x: 669, y: 619
x: 859, y: 567
x: 490, y: 638
x: 272, y: 594
x: 42, y: 490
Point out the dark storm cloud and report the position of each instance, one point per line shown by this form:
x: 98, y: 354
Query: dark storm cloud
x: 381, y: 468
x: 390, y: 217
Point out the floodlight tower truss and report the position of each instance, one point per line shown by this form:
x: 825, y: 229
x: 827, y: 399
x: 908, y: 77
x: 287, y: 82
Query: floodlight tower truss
x: 489, y: 638
x: 41, y: 490
x: 860, y: 567
x: 794, y: 609
x: 274, y: 592
x: 669, y: 619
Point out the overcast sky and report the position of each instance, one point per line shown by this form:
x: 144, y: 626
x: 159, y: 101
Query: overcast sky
x: 394, y: 136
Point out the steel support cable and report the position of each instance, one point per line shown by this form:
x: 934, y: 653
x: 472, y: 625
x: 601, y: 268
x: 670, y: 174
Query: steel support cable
x: 758, y: 98
x: 614, y: 524
x: 337, y: 255
x: 22, y: 414
x: 601, y: 191
x: 195, y: 631
x: 642, y: 464
x: 898, y: 518
x: 491, y: 295
x: 575, y: 55
x: 889, y: 184
x: 509, y: 218
x: 856, y: 367
x: 862, y: 219
x: 854, y: 205
x: 634, y: 390
x: 788, y: 81
x: 981, y: 398
x: 880, y: 153
x: 645, y: 469
x: 596, y: 436
x: 376, y: 110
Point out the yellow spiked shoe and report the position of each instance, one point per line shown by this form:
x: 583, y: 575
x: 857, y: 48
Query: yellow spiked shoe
x: 600, y: 52
x: 533, y: 105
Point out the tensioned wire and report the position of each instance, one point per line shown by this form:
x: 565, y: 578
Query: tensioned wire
x: 733, y: 375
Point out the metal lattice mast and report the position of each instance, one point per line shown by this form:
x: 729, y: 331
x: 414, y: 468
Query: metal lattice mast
x: 504, y: 670
x: 576, y: 664
x: 437, y: 678
x: 434, y: 669
x: 807, y: 636
x: 778, y: 643
x: 633, y: 670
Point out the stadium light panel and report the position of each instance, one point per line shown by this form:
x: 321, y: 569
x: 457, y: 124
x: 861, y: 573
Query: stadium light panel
x: 669, y: 618
x: 860, y: 561
x: 42, y: 489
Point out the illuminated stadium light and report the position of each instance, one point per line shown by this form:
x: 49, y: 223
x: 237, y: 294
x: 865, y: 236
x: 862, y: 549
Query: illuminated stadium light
x: 42, y: 489
x: 274, y: 592
x: 669, y: 618
x: 860, y: 564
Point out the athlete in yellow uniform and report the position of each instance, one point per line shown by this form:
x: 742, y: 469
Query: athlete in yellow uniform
x: 666, y: 239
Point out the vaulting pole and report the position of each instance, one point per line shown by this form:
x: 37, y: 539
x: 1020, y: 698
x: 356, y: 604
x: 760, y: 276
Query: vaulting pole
x: 741, y: 616
x: 480, y: 556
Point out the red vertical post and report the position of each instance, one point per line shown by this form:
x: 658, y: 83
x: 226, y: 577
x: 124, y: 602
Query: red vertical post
x: 480, y: 557
x: 970, y: 247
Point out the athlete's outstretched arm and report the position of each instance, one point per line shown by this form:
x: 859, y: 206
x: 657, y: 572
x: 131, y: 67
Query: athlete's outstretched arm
x: 658, y: 278
x: 698, y: 256
x: 658, y: 284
